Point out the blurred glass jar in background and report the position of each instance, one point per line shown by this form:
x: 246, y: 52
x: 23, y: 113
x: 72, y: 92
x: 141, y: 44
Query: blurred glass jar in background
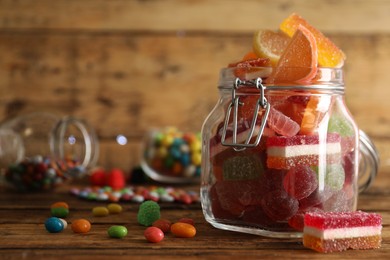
x: 39, y: 151
x: 172, y: 156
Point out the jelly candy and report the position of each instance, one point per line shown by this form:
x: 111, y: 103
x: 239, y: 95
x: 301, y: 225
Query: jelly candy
x: 297, y: 221
x: 287, y: 152
x: 114, y: 208
x: 184, y: 230
x: 278, y: 205
x: 100, y: 211
x: 148, y: 212
x: 282, y: 124
x: 333, y: 232
x: 242, y: 168
x: 315, y: 198
x: 117, y: 231
x: 256, y: 215
x: 335, y: 176
x: 154, y: 234
x: 300, y: 182
x: 163, y: 224
x: 59, y: 212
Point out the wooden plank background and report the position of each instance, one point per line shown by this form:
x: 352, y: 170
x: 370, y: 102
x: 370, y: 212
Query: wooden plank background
x: 127, y: 65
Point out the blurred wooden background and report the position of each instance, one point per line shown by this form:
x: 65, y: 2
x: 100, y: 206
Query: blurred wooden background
x: 128, y: 65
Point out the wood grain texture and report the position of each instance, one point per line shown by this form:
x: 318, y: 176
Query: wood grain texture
x: 127, y: 66
x: 204, y: 15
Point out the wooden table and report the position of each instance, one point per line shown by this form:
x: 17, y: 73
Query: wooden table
x: 23, y: 235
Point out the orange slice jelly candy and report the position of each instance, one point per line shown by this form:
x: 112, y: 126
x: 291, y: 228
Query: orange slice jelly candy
x: 298, y: 63
x: 329, y: 55
x: 270, y: 44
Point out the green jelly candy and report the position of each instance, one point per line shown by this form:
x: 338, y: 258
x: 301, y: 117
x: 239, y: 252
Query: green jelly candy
x: 59, y: 212
x: 242, y: 168
x: 339, y: 125
x: 335, y: 176
x: 149, y: 211
x: 117, y: 231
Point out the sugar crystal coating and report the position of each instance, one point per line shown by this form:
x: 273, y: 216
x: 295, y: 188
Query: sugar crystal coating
x: 149, y: 211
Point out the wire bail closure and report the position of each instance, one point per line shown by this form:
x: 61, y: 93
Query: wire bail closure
x: 261, y: 103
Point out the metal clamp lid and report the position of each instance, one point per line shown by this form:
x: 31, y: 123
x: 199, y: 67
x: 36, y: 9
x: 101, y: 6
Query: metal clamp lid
x: 261, y: 103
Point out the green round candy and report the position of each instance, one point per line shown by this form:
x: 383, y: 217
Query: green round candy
x: 149, y: 211
x: 59, y: 212
x: 117, y: 231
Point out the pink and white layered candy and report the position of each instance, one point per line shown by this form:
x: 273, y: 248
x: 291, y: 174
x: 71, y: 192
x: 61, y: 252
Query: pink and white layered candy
x: 287, y: 152
x: 338, y: 231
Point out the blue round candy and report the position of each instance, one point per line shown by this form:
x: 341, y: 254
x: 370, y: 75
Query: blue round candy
x: 54, y: 225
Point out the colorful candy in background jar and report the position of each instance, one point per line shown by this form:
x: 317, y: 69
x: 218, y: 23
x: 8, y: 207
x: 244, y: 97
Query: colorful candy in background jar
x: 172, y: 156
x: 41, y: 173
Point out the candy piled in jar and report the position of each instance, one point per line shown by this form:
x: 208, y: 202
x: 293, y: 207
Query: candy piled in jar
x: 41, y: 173
x: 172, y: 154
x: 305, y: 159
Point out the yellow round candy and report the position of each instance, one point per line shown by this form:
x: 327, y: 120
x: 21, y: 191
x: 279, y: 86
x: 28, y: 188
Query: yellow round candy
x: 114, y: 208
x: 100, y: 211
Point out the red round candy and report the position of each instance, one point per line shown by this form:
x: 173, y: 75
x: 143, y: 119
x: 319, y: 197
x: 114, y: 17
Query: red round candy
x: 153, y: 234
x: 187, y: 220
x: 98, y: 178
x: 116, y: 179
x: 163, y: 224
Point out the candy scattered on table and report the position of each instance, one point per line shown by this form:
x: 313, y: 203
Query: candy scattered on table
x: 338, y: 231
x: 81, y: 226
x: 172, y: 153
x: 41, y: 173
x: 54, y: 225
x: 59, y: 204
x: 148, y: 212
x: 163, y: 224
x: 117, y: 231
x: 137, y: 194
x: 154, y: 234
x: 59, y: 212
x: 100, y: 211
x: 114, y: 208
x: 183, y: 230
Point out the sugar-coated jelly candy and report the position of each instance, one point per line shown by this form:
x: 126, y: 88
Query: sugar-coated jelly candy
x: 242, y: 168
x: 184, y: 230
x: 288, y: 152
x: 148, y: 212
x: 300, y: 182
x: 54, y: 225
x: 163, y: 224
x: 117, y: 231
x: 154, y: 234
x: 278, y: 205
x: 81, y: 226
x: 338, y: 231
x: 281, y: 123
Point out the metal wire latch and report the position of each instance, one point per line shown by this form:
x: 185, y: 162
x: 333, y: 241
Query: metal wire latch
x: 239, y: 145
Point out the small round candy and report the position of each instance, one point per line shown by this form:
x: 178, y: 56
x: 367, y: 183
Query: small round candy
x: 59, y: 212
x: 64, y: 222
x: 54, y: 225
x: 81, y: 226
x: 114, y: 208
x: 117, y: 231
x: 100, y: 211
x: 154, y: 234
x: 184, y: 230
x: 163, y: 224
x: 59, y: 204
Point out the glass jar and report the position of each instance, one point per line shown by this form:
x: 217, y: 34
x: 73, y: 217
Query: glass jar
x: 271, y: 152
x: 172, y: 156
x: 39, y: 151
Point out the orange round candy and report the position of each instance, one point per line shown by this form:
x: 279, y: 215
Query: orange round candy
x: 184, y: 230
x: 59, y: 204
x: 81, y: 226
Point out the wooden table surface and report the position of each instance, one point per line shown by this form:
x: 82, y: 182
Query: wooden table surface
x: 23, y: 235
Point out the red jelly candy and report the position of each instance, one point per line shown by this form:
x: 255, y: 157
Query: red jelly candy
x: 279, y: 206
x: 300, y: 182
x: 281, y: 123
x: 98, y: 178
x: 256, y: 215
